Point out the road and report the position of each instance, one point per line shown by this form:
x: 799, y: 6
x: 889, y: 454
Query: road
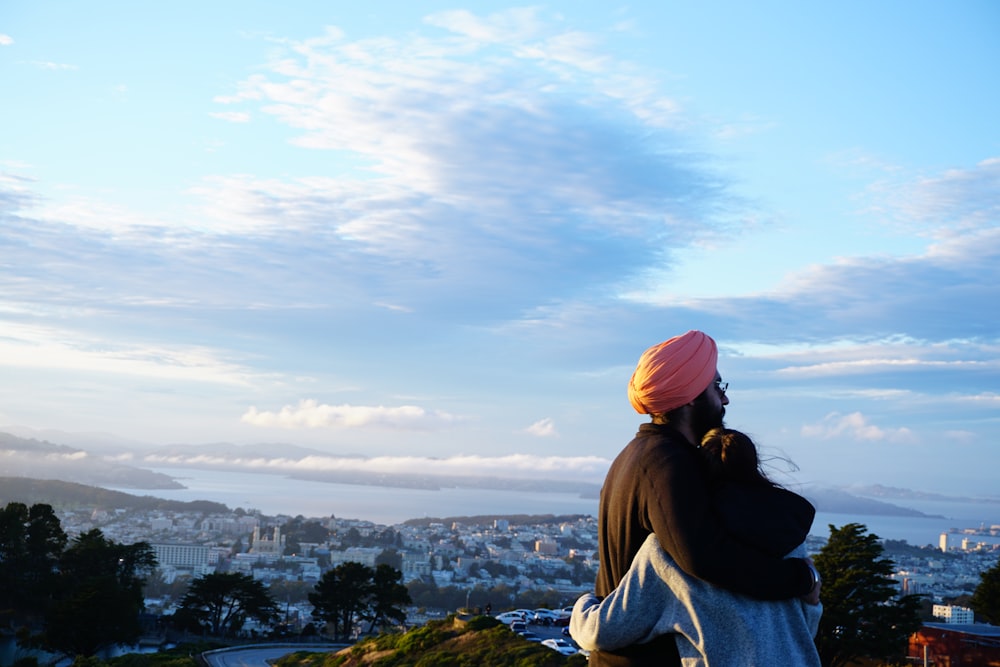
x: 258, y: 655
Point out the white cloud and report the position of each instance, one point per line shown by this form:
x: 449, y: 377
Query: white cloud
x: 962, y: 436
x: 231, y: 116
x: 986, y: 399
x: 6, y: 40
x: 543, y: 428
x: 881, y: 365
x: 500, y: 133
x: 854, y: 426
x: 45, y: 347
x: 43, y: 64
x: 510, y: 25
x: 312, y: 414
x: 583, y: 468
x: 951, y: 203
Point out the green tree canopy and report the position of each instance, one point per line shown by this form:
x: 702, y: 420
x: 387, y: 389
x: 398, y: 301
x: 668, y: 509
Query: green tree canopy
x: 98, y: 597
x: 221, y: 602
x: 31, y: 541
x: 342, y: 596
x: 389, y: 596
x: 390, y: 557
x: 986, y: 599
x: 862, y: 615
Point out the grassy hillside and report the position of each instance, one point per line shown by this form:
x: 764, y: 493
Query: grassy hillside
x: 453, y: 642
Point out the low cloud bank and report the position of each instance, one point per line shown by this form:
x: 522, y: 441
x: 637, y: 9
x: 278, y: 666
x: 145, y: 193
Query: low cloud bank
x: 522, y: 466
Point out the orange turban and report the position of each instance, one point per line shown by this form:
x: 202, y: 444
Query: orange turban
x: 673, y: 373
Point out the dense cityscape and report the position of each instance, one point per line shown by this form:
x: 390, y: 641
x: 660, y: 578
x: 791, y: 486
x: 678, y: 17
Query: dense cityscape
x: 555, y: 555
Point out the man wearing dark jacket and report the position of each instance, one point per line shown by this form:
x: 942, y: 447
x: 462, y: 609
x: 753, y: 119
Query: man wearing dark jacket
x: 658, y: 484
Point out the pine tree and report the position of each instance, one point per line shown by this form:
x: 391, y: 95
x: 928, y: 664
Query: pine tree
x: 862, y: 615
x: 986, y: 599
x: 221, y: 602
x: 31, y: 541
x: 389, y: 596
x: 343, y: 596
x: 99, y: 595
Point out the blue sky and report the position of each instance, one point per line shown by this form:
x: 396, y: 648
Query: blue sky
x: 441, y: 234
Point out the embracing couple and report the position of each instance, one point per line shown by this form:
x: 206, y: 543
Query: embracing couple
x: 701, y: 555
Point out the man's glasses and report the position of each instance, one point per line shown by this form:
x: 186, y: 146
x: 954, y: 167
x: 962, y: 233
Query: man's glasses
x: 722, y: 386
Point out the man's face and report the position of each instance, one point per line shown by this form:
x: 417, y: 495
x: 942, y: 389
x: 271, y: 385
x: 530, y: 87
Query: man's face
x: 709, y: 409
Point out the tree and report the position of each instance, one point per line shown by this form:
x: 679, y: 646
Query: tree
x: 299, y: 530
x: 31, y: 541
x: 862, y: 616
x: 986, y: 599
x: 98, y: 597
x: 342, y: 596
x: 221, y: 603
x: 390, y: 557
x: 388, y: 597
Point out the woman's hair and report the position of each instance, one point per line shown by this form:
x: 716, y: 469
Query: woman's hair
x: 732, y: 457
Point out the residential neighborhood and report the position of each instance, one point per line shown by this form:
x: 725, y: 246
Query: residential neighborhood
x: 554, y: 554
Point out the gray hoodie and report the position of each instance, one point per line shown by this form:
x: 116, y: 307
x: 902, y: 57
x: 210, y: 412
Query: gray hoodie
x: 713, y: 627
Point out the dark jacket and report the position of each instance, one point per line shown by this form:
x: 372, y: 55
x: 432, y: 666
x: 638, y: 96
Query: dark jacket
x: 658, y: 484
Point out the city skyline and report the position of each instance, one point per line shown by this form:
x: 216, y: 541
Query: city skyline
x: 440, y: 237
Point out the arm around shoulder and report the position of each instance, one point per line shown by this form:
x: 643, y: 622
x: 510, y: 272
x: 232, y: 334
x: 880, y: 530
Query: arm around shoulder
x: 635, y: 612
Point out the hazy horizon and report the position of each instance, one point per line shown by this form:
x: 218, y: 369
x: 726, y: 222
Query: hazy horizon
x: 586, y: 473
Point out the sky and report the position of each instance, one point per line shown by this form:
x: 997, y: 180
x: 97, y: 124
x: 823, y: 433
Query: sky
x: 439, y: 235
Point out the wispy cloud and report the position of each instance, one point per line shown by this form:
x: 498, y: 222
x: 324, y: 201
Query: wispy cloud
x: 870, y: 365
x: 951, y: 203
x: 855, y: 426
x: 44, y: 347
x: 543, y: 428
x: 310, y: 413
x: 231, y: 116
x: 6, y: 40
x: 45, y: 64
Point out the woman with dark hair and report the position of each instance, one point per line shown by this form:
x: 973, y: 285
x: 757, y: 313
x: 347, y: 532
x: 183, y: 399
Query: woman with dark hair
x: 714, y: 627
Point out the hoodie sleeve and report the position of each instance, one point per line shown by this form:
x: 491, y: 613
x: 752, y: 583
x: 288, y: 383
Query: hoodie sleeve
x: 641, y: 608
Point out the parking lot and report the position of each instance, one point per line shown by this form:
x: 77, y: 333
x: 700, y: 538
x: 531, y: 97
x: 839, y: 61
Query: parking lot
x: 543, y: 632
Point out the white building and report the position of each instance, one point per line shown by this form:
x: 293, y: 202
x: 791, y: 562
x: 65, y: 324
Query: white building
x: 181, y: 555
x: 363, y: 555
x: 952, y: 614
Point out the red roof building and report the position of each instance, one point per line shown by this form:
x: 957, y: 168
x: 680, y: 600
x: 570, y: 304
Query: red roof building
x: 956, y: 645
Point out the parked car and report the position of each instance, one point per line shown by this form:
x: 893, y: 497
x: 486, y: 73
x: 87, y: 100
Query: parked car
x: 562, y: 617
x: 509, y: 617
x: 519, y: 626
x: 560, y: 645
x: 544, y: 616
x: 530, y: 636
x: 526, y: 613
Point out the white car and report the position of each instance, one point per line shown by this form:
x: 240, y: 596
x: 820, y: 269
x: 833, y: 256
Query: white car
x: 509, y: 617
x: 560, y: 645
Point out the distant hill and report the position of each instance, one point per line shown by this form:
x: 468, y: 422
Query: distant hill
x: 837, y: 501
x: 40, y: 459
x: 61, y: 494
x: 480, y: 640
x: 519, y: 519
